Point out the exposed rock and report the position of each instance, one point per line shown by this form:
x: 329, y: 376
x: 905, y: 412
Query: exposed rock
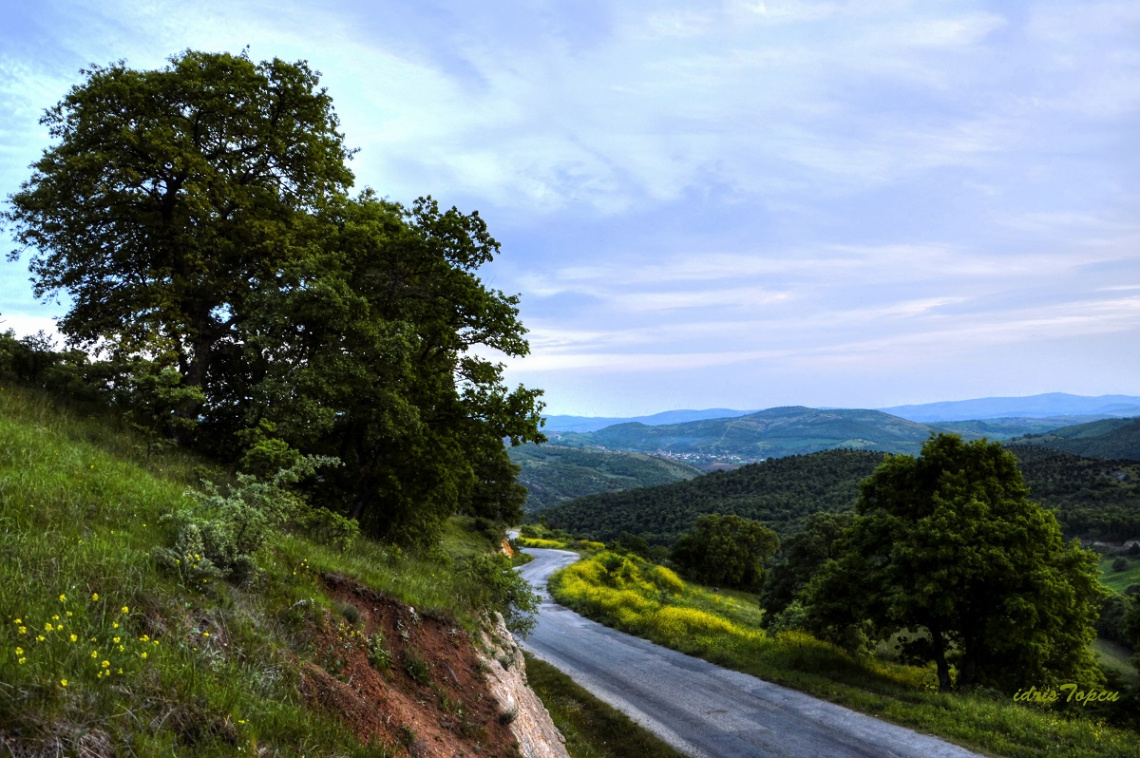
x: 529, y: 721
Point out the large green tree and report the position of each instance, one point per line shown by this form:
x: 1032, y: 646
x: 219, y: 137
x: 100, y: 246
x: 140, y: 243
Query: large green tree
x: 948, y: 547
x: 198, y: 218
x: 170, y: 195
x: 368, y: 351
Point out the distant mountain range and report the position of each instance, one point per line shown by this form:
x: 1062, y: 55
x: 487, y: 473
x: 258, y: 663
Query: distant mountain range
x: 1053, y: 404
x: 594, y: 423
x: 632, y: 455
x: 776, y: 432
x: 1034, y: 406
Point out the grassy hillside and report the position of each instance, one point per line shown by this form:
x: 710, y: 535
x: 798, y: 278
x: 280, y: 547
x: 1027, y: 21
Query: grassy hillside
x: 1109, y: 438
x: 1095, y: 499
x: 773, y: 433
x: 106, y: 649
x: 553, y: 474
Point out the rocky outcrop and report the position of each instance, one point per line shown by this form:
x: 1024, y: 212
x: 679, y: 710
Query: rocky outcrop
x: 529, y: 721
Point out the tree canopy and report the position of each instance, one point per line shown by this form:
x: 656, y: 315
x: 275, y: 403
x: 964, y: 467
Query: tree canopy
x: 948, y: 547
x: 727, y: 551
x: 199, y: 220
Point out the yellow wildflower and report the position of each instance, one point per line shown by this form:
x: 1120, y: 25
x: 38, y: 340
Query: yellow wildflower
x: 94, y: 653
x: 22, y: 630
x: 116, y: 640
x: 63, y: 682
x: 19, y: 651
x: 105, y: 664
x: 63, y: 598
x: 126, y: 609
x: 21, y: 661
x: 95, y: 596
x: 74, y: 638
x: 39, y: 638
x: 143, y: 654
x: 48, y: 627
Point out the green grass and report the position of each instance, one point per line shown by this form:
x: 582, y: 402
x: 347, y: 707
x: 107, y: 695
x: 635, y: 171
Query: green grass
x: 96, y: 639
x: 592, y: 728
x: 1118, y: 581
x: 1117, y: 658
x: 628, y: 594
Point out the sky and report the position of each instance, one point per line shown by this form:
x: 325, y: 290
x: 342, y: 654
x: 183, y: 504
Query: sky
x: 715, y: 204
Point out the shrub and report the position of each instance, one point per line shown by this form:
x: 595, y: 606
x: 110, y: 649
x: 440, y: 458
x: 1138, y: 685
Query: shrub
x: 228, y: 530
x: 496, y: 586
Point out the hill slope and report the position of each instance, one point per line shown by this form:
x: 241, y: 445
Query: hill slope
x: 1109, y: 438
x: 553, y: 474
x: 781, y: 492
x: 1094, y: 499
x: 113, y: 645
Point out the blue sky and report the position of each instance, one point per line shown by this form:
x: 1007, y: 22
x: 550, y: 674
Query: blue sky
x: 733, y: 204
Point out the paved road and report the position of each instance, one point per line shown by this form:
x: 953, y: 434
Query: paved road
x: 701, y: 709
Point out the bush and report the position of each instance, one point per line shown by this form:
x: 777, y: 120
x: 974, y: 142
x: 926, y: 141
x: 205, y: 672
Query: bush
x: 224, y: 532
x: 495, y: 585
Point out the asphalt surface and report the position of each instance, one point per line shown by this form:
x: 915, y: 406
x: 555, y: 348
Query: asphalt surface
x: 702, y: 709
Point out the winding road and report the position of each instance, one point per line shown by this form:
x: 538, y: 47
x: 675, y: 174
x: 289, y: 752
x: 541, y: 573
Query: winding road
x: 702, y: 709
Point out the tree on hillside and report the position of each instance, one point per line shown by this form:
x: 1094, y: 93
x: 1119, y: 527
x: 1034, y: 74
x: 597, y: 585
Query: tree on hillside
x: 365, y: 354
x: 198, y: 218
x: 947, y: 545
x: 727, y: 551
x: 171, y: 195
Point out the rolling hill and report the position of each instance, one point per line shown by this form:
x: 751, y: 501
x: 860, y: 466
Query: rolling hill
x: 554, y: 474
x: 1109, y: 438
x: 772, y: 433
x: 1093, y: 498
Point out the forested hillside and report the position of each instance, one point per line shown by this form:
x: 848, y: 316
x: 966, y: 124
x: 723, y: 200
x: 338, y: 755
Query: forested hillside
x: 553, y: 473
x: 1117, y: 438
x: 780, y: 492
x: 1094, y: 499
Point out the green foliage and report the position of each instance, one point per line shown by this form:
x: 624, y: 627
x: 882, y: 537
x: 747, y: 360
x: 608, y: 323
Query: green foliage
x: 727, y: 551
x: 612, y: 590
x: 1094, y: 499
x: 222, y: 533
x: 950, y: 543
x: 502, y: 589
x: 197, y: 218
x: 800, y: 557
x: 170, y: 193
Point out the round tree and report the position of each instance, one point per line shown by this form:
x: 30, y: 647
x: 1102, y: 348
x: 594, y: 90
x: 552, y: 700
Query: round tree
x: 948, y: 547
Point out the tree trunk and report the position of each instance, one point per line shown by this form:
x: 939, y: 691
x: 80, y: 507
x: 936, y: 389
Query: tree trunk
x: 939, y: 643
